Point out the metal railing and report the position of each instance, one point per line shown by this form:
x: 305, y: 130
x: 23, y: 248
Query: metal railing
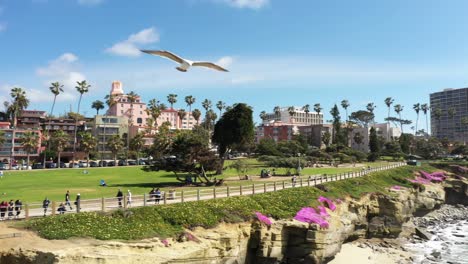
x: 175, y: 196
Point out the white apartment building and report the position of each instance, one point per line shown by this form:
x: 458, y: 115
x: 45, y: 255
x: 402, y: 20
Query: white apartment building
x: 299, y: 118
x: 384, y: 131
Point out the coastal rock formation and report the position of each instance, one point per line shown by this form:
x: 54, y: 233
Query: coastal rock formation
x: 285, y: 241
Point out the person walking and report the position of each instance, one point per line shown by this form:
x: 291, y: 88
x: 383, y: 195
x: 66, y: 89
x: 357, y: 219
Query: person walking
x: 18, y: 207
x: 11, y: 207
x: 45, y: 205
x: 119, y: 197
x: 293, y: 180
x: 67, y: 199
x: 129, y: 198
x: 157, y: 196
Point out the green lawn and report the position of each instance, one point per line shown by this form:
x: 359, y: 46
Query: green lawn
x: 33, y: 186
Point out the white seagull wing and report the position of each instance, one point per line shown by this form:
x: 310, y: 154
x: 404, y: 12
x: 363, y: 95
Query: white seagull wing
x: 165, y: 54
x: 209, y: 65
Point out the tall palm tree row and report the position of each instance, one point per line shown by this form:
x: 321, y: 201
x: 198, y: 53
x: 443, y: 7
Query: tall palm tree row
x: 82, y: 88
x: 30, y: 143
x: 131, y: 97
x: 196, y: 115
x: 206, y: 104
x: 59, y: 141
x: 181, y: 113
x: 190, y: 100
x: 136, y: 144
x: 115, y: 144
x: 154, y: 110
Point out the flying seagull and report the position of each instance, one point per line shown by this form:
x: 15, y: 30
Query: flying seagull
x: 184, y: 64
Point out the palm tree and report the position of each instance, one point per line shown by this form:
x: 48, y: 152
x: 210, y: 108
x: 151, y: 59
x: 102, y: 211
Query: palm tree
x: 136, y: 144
x: 98, y: 105
x: 292, y: 112
x: 345, y: 104
x: 20, y: 102
x: 172, y: 99
x: 190, y: 100
x: 451, y: 113
x: 56, y: 88
x: 29, y: 142
x: 388, y: 102
x: 317, y: 108
x: 263, y: 115
x: 82, y: 87
x: 277, y: 111
x: 59, y: 141
x: 210, y: 117
x: 398, y: 109
x: 438, y: 114
x: 131, y: 97
x: 196, y: 115
x: 154, y: 110
x: 110, y: 101
x: 417, y: 108
x: 371, y: 107
x: 115, y: 144
x: 220, y: 105
x: 464, y: 122
x: 181, y: 113
x: 425, y: 109
x: 88, y: 143
x: 206, y: 104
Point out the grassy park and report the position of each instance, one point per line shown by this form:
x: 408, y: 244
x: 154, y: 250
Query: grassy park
x: 33, y: 186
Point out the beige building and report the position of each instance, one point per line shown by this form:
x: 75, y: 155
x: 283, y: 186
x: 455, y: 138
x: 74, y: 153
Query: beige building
x: 299, y: 118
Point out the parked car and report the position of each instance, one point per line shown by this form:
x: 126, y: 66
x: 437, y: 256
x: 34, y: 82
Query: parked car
x: 37, y: 166
x: 50, y: 165
x: 3, y: 166
x: 102, y: 163
x: 123, y: 163
x: 73, y: 165
x: 110, y: 163
x: 132, y: 162
x: 93, y: 163
x: 63, y: 165
x: 82, y: 164
x: 15, y: 167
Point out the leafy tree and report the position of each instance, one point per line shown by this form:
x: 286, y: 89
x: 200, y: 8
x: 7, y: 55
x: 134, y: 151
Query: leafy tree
x: 268, y: 147
x: 290, y: 147
x: 98, y: 105
x: 172, y: 99
x: 82, y: 88
x: 428, y: 149
x: 405, y: 143
x: 398, y: 109
x: 235, y: 127
x: 374, y: 145
x: 210, y: 117
x: 136, y: 144
x: 115, y: 144
x: 362, y: 117
x: 240, y: 166
x: 358, y: 138
x: 181, y: 113
x: 88, y: 143
x: 29, y: 142
x: 339, y: 138
x: 2, y: 137
x: 371, y: 107
x: 326, y: 138
x: 59, y: 142
x: 393, y: 149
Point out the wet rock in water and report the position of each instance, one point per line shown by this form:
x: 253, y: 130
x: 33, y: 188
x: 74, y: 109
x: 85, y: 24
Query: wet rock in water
x: 422, y: 233
x: 458, y: 235
x: 436, y: 254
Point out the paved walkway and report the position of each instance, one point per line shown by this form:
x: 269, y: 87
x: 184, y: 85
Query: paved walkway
x: 108, y: 204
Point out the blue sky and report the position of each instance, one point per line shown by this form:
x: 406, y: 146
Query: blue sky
x: 278, y: 52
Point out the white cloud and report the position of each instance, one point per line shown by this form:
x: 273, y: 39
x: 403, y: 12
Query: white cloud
x: 63, y: 69
x: 129, y: 47
x: 252, y: 4
x: 90, y: 2
x: 225, y: 61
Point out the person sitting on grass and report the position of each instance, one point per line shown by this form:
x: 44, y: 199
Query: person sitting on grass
x: 102, y: 183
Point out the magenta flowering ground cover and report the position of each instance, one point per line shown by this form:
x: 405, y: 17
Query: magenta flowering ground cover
x: 436, y: 176
x: 420, y: 180
x: 323, y: 211
x: 329, y: 202
x: 396, y: 187
x: 262, y: 218
x: 309, y: 215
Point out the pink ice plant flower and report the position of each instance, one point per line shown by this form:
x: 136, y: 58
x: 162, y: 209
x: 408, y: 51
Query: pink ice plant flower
x: 264, y: 219
x: 396, y: 187
x: 309, y: 215
x: 165, y: 242
x: 338, y: 201
x: 436, y: 176
x: 323, y: 211
x: 420, y: 180
x: 329, y: 202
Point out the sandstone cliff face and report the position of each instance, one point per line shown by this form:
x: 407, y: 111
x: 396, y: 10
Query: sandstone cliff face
x: 285, y: 241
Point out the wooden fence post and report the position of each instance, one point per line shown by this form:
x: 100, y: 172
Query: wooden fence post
x: 283, y: 184
x: 214, y: 193
x: 274, y: 186
x: 315, y: 181
x: 144, y: 199
x: 228, y: 191
x: 240, y: 190
x: 125, y: 201
x: 182, y: 196
x: 264, y: 187
x: 300, y: 181
x: 253, y: 188
x: 308, y: 181
x: 198, y: 194
x: 54, y: 206
x: 26, y: 211
x: 103, y: 204
x: 165, y: 198
x: 78, y: 206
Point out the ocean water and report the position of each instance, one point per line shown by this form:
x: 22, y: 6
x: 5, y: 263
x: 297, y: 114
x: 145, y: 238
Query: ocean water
x: 450, y: 240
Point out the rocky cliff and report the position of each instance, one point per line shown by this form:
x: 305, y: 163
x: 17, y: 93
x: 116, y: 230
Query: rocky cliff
x: 285, y: 241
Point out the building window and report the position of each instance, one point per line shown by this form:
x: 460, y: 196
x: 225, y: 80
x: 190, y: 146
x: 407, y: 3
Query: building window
x: 121, y: 105
x: 121, y: 111
x: 139, y: 120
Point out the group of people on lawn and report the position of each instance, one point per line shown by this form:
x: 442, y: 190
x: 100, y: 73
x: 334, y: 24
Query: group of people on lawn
x: 10, y: 207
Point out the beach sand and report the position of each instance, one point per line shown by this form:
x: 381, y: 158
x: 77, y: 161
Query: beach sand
x: 356, y: 252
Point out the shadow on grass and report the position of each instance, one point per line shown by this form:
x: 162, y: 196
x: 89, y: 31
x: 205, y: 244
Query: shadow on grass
x: 149, y: 185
